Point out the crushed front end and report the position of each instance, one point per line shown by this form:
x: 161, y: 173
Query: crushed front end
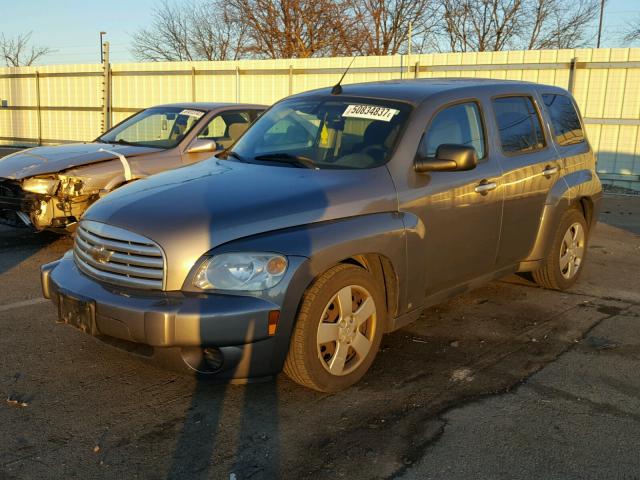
x: 54, y: 202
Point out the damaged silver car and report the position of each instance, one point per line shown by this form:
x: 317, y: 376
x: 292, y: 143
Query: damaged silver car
x: 51, y: 187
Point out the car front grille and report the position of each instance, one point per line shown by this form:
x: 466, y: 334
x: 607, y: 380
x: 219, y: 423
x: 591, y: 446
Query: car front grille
x: 118, y: 256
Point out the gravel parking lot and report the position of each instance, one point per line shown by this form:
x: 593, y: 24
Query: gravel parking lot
x: 508, y: 381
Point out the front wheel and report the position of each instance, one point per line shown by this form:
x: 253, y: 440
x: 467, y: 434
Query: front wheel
x: 565, y: 260
x: 338, y: 330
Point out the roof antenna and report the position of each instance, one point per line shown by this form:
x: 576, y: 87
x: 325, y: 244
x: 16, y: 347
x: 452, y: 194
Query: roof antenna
x: 337, y: 88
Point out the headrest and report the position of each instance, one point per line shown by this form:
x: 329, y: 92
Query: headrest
x: 237, y: 129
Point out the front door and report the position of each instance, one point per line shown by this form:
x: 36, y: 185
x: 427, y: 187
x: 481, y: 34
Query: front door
x: 460, y: 210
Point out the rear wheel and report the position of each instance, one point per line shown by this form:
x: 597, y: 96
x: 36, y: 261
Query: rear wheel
x: 565, y: 260
x: 338, y: 330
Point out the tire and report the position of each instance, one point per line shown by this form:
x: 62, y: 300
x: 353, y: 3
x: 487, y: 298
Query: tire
x: 556, y: 272
x: 353, y: 333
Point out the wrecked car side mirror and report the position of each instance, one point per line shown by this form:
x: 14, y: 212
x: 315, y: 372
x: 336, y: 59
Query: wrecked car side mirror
x: 201, y: 145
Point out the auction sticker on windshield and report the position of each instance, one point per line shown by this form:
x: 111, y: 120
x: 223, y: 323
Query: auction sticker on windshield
x: 192, y: 113
x: 370, y: 112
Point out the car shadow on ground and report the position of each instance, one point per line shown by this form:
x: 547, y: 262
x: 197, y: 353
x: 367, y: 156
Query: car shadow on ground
x: 464, y: 349
x: 19, y: 244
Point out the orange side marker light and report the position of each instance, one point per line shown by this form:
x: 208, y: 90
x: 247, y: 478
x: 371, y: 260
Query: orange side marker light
x: 274, y: 316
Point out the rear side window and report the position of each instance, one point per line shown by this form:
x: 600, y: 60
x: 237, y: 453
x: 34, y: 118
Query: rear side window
x: 519, y: 125
x: 459, y: 125
x: 564, y: 119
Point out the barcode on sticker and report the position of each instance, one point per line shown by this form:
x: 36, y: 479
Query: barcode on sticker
x: 370, y: 112
x: 192, y: 113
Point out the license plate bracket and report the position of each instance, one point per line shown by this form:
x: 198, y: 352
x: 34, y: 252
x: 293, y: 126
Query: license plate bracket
x: 78, y: 313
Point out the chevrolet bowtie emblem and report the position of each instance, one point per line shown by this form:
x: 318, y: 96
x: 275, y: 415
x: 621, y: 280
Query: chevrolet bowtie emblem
x: 101, y: 254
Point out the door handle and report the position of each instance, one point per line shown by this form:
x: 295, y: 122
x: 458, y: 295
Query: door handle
x: 485, y: 187
x: 548, y: 171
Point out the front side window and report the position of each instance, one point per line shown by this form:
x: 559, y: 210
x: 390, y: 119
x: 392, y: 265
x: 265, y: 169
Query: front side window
x: 160, y: 127
x: 227, y: 127
x: 459, y: 125
x: 325, y: 132
x: 519, y: 124
x: 564, y: 119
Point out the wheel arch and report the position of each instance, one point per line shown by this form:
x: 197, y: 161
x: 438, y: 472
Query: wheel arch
x: 580, y: 190
x: 381, y: 267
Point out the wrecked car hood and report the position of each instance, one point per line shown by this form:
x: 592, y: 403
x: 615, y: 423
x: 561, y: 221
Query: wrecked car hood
x: 192, y: 209
x: 42, y: 160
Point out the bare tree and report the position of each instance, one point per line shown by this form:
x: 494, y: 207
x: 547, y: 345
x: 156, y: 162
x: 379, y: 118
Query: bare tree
x: 194, y: 30
x: 480, y: 25
x: 383, y: 25
x: 632, y: 33
x: 295, y: 28
x: 490, y: 25
x: 228, y: 29
x: 17, y: 51
x: 557, y: 23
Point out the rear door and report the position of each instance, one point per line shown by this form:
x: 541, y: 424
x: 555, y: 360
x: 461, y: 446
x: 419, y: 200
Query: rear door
x: 567, y: 132
x: 530, y: 168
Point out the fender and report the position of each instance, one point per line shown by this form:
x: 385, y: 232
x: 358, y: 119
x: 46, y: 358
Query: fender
x: 326, y: 244
x: 321, y: 246
x: 568, y: 192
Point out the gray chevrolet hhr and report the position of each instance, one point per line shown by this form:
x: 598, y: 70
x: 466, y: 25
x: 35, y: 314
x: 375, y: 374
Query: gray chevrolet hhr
x: 338, y: 216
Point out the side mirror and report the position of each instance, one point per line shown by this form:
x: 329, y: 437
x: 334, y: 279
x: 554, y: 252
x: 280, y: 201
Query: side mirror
x: 448, y: 158
x: 202, y: 145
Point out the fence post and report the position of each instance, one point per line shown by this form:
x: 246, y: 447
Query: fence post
x: 237, y: 84
x: 416, y: 74
x: 193, y: 84
x: 106, y: 89
x: 290, y: 79
x: 39, y: 110
x: 572, y: 74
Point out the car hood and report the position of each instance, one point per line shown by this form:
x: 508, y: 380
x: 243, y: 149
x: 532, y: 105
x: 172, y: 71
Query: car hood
x: 190, y: 210
x: 42, y: 160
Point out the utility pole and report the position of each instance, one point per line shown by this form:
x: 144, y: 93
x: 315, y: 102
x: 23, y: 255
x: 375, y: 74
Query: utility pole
x: 602, y: 2
x: 106, y: 88
x: 409, y: 49
x: 102, y: 47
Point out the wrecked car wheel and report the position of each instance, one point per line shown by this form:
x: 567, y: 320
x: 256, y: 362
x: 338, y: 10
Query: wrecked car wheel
x: 338, y: 330
x: 565, y: 259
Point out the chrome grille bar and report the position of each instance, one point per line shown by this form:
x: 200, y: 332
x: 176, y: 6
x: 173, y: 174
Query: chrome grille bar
x: 114, y: 255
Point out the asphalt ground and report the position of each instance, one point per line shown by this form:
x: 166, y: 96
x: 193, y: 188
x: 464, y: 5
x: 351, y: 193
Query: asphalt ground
x: 508, y: 381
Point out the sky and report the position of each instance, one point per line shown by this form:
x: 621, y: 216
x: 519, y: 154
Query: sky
x: 71, y: 27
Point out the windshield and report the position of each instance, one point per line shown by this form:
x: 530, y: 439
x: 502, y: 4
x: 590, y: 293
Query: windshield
x: 324, y: 132
x: 160, y: 127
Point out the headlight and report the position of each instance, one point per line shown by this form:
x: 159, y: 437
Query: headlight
x: 241, y: 271
x: 43, y: 186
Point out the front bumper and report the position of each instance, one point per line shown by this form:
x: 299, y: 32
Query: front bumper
x: 183, y: 322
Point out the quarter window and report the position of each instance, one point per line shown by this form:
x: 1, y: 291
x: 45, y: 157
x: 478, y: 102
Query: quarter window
x: 459, y: 125
x: 564, y: 119
x: 519, y: 124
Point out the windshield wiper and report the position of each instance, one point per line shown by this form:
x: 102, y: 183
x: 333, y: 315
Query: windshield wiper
x: 124, y: 142
x: 282, y: 157
x: 234, y: 155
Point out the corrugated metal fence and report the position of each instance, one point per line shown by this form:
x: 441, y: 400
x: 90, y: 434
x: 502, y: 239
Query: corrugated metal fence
x: 64, y: 103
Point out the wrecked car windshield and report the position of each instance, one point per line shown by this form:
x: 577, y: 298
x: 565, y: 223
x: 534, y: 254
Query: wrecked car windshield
x: 161, y: 127
x: 324, y: 132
